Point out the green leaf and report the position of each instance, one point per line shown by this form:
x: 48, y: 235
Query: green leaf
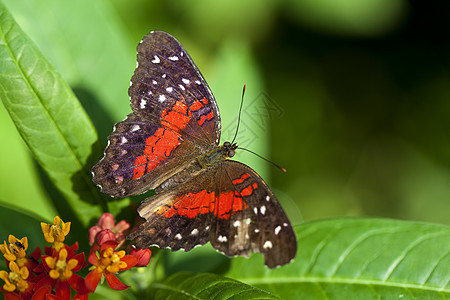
x: 49, y: 118
x: 358, y: 259
x: 185, y: 285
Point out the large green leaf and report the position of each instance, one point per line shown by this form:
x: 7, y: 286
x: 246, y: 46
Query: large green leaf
x: 185, y: 285
x: 49, y: 118
x: 358, y: 259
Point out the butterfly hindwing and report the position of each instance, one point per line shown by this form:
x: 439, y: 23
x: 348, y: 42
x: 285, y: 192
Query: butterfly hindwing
x: 229, y: 205
x: 178, y: 218
x: 261, y: 225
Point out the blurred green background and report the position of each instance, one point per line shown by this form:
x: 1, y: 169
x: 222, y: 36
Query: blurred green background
x: 352, y: 97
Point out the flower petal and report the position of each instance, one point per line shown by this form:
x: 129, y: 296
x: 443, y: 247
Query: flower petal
x: 41, y: 292
x: 12, y: 296
x: 93, y: 258
x: 115, y: 283
x: 130, y: 260
x: 109, y: 244
x: 78, y: 284
x: 63, y: 290
x: 106, y: 221
x: 92, y: 279
x: 121, y: 226
x: 105, y: 236
x: 143, y: 256
x: 92, y: 233
x: 65, y: 227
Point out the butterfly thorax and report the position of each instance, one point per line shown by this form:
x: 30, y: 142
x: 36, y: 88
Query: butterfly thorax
x: 200, y: 164
x: 217, y: 155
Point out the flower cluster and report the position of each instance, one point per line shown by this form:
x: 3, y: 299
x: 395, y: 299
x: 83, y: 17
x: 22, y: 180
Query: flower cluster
x: 53, y: 274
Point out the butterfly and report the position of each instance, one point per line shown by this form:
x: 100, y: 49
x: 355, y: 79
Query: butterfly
x: 170, y: 144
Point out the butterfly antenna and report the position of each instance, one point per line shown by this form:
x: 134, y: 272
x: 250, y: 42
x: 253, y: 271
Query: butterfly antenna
x: 239, y: 116
x: 279, y: 167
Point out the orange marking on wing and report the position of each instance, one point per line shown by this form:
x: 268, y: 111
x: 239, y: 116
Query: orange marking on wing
x: 138, y: 171
x: 202, y: 120
x: 204, y: 100
x: 203, y: 202
x: 176, y: 117
x: 241, y: 179
x: 196, y: 105
x: 161, y: 144
x: 210, y: 116
x: 247, y: 191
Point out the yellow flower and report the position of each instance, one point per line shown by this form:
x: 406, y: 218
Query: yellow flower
x: 56, y: 232
x: 59, y: 267
x: 16, y: 250
x: 16, y: 279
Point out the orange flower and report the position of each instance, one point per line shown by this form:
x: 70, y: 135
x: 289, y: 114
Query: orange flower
x: 16, y: 250
x: 108, y: 262
x: 56, y: 233
x: 16, y: 280
x: 60, y: 268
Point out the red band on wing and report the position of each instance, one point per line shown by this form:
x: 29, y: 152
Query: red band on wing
x: 241, y: 179
x: 161, y: 144
x: 203, y: 202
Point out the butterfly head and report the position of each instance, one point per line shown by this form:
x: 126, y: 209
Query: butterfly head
x: 228, y: 149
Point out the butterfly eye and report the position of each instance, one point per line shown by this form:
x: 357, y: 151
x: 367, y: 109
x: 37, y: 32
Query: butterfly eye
x: 231, y: 153
x: 227, y: 144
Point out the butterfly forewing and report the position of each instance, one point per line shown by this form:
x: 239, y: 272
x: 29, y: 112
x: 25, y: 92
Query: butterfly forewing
x: 175, y: 118
x: 167, y: 78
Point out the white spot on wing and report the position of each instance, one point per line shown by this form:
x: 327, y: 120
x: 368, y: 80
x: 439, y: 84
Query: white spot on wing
x: 143, y: 103
x: 207, y: 227
x: 256, y: 230
x: 197, y: 82
x: 237, y: 223
x: 162, y: 98
x: 156, y: 59
x: 174, y: 58
x: 123, y: 140
x: 255, y: 210
x: 135, y: 127
x: 154, y: 82
x: 222, y: 238
x: 181, y: 87
x: 186, y: 81
x: 263, y: 209
x: 164, y: 75
x: 277, y: 230
x: 194, y: 232
x: 149, y: 93
x: 267, y: 198
x: 178, y: 236
x: 285, y: 224
x: 267, y: 244
x: 169, y: 89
